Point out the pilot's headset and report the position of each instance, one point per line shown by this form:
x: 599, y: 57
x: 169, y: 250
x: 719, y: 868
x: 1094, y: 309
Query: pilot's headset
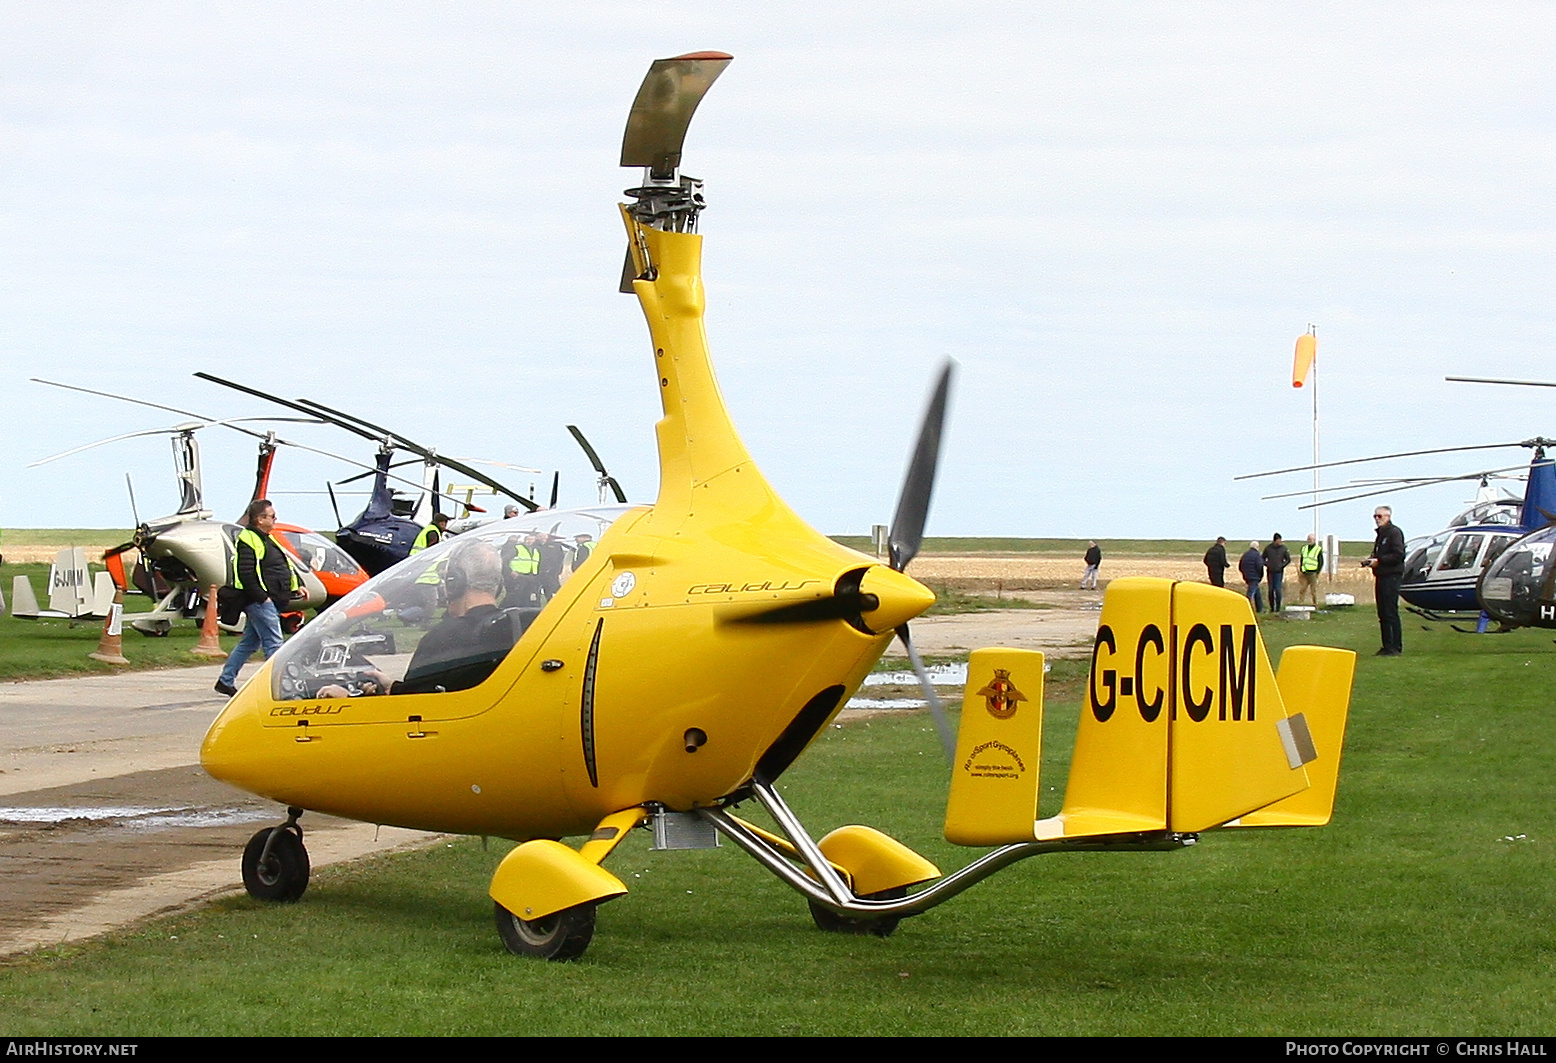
x: 464, y: 568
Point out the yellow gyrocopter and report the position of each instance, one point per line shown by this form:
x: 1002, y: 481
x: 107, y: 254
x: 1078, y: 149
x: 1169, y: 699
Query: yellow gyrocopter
x: 691, y: 649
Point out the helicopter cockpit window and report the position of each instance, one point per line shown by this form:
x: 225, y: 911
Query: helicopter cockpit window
x: 319, y: 554
x: 446, y: 617
x: 1519, y: 573
x: 1461, y: 552
x: 1421, y: 559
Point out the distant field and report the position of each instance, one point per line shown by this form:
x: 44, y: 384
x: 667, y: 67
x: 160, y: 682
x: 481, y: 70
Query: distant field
x: 963, y: 545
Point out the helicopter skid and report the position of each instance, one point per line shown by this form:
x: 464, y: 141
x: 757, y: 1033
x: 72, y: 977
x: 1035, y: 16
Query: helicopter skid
x: 820, y: 881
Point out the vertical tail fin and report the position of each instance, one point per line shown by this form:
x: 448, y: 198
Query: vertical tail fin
x: 999, y: 747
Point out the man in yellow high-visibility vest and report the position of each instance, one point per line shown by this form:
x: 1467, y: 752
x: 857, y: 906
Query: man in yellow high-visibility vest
x: 1310, y: 562
x: 261, y: 572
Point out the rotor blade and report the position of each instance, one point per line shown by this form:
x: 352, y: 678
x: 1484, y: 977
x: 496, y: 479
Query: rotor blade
x: 556, y: 483
x: 426, y: 452
x: 496, y: 464
x: 373, y: 469
x: 663, y: 109
x: 1401, y: 482
x: 288, y: 404
x: 942, y: 724
x: 1409, y: 487
x: 621, y: 496
x: 1377, y: 457
x: 102, y: 442
x: 1488, y: 380
x: 121, y: 398
x: 907, y: 525
x: 409, y: 444
x: 594, y: 459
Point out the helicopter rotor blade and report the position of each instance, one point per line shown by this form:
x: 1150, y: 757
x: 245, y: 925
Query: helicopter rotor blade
x: 288, y: 404
x: 374, y: 469
x: 426, y: 453
x: 1489, y: 380
x: 1384, y: 457
x: 907, y: 525
x: 606, y: 479
x: 1411, y: 487
x: 556, y: 483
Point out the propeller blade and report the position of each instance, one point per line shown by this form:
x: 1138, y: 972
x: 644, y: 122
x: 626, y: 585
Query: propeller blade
x: 134, y: 512
x: 942, y: 723
x: 907, y: 526
x: 663, y: 109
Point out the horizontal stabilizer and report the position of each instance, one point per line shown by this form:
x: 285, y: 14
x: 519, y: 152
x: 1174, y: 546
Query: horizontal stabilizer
x: 1315, y: 682
x: 1185, y: 726
x: 999, y: 749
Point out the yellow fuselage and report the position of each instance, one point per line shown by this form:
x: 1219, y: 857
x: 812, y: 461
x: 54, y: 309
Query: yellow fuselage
x: 683, y: 701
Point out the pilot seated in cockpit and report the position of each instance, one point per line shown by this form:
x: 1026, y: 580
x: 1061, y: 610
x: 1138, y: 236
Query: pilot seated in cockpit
x: 465, y: 646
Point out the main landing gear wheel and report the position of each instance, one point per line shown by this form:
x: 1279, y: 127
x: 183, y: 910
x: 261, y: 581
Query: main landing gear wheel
x: 281, y: 873
x: 559, y: 936
x: 882, y: 927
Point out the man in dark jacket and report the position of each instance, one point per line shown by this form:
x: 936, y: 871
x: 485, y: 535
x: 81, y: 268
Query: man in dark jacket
x: 1276, y: 558
x: 1388, y: 571
x: 1093, y: 562
x: 1252, y: 568
x: 262, y: 574
x: 1216, y: 563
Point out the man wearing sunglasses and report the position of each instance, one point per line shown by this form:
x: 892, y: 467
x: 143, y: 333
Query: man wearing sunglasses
x: 1388, y: 570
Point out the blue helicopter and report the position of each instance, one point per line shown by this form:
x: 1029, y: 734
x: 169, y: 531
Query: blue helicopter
x: 1443, y: 571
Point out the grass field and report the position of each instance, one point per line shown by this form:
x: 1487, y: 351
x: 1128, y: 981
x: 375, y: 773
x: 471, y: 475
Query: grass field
x: 1425, y: 908
x: 46, y: 649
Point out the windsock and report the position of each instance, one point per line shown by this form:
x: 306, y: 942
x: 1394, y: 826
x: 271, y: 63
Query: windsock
x: 1307, y: 349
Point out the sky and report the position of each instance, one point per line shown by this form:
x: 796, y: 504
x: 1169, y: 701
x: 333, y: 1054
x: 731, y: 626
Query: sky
x: 1116, y: 217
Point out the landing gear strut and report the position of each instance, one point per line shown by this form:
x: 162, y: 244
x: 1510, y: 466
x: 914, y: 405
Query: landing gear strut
x: 275, y: 864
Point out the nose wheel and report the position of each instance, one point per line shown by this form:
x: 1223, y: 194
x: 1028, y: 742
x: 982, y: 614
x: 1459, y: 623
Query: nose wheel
x: 275, y: 863
x: 559, y: 936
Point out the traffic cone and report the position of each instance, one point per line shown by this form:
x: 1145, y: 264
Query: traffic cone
x: 210, y: 634
x: 110, y: 648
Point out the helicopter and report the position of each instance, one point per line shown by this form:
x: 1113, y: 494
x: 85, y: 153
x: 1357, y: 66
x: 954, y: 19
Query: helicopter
x: 1442, y: 571
x: 710, y: 636
x: 1516, y: 589
x: 182, y: 555
x: 383, y: 534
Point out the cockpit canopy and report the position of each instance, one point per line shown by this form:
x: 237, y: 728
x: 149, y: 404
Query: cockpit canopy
x: 444, y: 618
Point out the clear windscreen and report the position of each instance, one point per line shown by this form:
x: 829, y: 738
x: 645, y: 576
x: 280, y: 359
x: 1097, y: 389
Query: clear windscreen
x: 446, y: 617
x: 1518, y: 573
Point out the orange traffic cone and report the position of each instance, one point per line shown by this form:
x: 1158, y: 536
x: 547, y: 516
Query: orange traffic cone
x: 110, y: 648
x: 210, y: 635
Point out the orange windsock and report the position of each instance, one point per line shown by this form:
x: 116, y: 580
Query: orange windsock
x: 1307, y: 349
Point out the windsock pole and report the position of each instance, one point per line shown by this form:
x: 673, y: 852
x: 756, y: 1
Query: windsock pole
x: 110, y: 648
x: 210, y: 633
